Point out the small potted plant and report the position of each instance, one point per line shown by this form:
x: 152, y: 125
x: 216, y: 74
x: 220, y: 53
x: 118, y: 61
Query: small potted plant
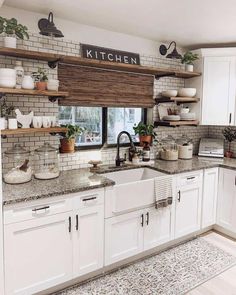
x: 12, y: 30
x: 40, y: 78
x: 68, y: 139
x: 229, y: 135
x: 145, y: 132
x: 5, y: 112
x: 188, y: 60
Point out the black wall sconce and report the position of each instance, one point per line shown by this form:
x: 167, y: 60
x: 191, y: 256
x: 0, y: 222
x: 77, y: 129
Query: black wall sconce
x: 48, y: 28
x: 174, y: 54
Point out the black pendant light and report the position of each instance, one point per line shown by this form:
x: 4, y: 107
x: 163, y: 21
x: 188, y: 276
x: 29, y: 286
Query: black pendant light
x: 174, y: 54
x: 48, y: 28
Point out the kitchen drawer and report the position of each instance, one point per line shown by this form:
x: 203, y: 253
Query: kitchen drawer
x: 91, y: 198
x: 35, y: 209
x: 190, y: 178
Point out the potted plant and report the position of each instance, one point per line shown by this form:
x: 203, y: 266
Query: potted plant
x: 145, y: 132
x: 68, y: 140
x: 229, y: 135
x: 188, y: 60
x: 12, y: 30
x: 40, y: 78
x: 5, y: 112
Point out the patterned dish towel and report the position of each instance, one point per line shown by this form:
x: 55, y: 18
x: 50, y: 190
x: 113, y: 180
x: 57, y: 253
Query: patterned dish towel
x: 163, y: 191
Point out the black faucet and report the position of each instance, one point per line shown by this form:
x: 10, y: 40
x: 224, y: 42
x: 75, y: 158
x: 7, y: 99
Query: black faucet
x: 120, y: 160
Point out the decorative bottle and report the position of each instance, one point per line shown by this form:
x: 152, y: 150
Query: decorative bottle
x: 19, y: 73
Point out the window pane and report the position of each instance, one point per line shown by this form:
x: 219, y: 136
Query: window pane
x: 89, y: 118
x: 120, y: 119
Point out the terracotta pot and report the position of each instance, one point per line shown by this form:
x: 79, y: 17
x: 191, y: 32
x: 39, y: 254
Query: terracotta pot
x: 145, y: 138
x: 41, y: 85
x: 67, y: 145
x: 228, y: 154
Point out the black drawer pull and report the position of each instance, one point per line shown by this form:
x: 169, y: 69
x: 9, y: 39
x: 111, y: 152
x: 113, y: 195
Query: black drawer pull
x: 42, y: 208
x: 147, y: 220
x: 142, y: 220
x: 77, y: 222
x: 179, y: 196
x: 69, y: 228
x: 192, y: 177
x: 89, y: 199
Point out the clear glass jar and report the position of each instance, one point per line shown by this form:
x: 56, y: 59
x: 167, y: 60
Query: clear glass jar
x: 169, y: 151
x: 185, y: 147
x: 46, y: 162
x: 21, y: 171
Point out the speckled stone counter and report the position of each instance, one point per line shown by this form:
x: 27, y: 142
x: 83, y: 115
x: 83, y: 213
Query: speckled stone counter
x: 71, y: 181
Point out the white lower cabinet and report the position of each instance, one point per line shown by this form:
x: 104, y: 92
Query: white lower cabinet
x: 38, y: 254
x: 209, y: 200
x: 130, y: 234
x: 226, y: 216
x: 188, y: 204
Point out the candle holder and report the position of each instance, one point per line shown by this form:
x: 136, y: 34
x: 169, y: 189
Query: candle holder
x: 95, y: 166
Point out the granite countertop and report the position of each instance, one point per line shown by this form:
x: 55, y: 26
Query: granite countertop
x: 77, y: 180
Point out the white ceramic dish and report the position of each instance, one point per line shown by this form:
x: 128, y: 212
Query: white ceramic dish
x: 184, y: 111
x: 7, y: 73
x: 169, y: 93
x: 171, y: 118
x: 188, y: 116
x: 52, y: 87
x: 187, y: 92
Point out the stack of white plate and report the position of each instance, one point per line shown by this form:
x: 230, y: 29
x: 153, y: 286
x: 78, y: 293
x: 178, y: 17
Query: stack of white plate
x: 7, y: 78
x: 188, y: 116
x: 169, y: 93
x: 171, y: 118
x: 53, y: 84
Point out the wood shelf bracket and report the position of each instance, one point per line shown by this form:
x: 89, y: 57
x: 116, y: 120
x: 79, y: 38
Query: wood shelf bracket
x: 53, y: 64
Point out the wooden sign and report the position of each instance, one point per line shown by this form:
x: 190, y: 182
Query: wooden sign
x: 107, y: 54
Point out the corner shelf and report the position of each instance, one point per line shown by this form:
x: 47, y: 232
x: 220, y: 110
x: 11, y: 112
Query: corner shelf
x: 18, y: 131
x: 177, y: 99
x: 53, y: 59
x: 176, y: 123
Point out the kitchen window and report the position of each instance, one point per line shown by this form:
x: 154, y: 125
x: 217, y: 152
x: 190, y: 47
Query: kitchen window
x: 102, y: 125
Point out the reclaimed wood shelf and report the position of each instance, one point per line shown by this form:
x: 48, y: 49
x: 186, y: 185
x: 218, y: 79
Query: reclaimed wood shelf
x: 176, y: 123
x: 177, y: 99
x: 34, y: 92
x: 18, y: 131
x: 53, y: 59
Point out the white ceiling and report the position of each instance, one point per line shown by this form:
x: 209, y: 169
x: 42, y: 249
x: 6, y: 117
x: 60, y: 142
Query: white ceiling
x: 189, y: 22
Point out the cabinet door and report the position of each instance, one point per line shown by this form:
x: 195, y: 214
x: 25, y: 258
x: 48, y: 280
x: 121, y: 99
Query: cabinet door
x: 88, y: 237
x: 123, y: 236
x: 188, y: 210
x: 38, y: 254
x: 226, y: 216
x: 157, y: 229
x: 219, y: 82
x: 210, y: 190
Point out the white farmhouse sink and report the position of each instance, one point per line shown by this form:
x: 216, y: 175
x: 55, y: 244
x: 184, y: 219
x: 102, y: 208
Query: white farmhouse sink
x: 134, y: 188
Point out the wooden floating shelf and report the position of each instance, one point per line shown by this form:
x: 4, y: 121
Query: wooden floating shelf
x: 176, y: 123
x: 6, y: 132
x: 53, y: 58
x: 34, y: 92
x: 177, y: 99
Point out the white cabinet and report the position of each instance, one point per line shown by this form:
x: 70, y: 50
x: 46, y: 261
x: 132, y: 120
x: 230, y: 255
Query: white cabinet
x: 209, y: 201
x: 129, y: 234
x: 38, y: 253
x: 226, y: 216
x: 188, y: 204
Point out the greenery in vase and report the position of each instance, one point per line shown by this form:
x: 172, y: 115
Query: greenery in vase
x: 229, y: 135
x: 144, y: 129
x: 6, y: 110
x: 72, y: 131
x: 189, y: 58
x: 11, y: 27
x: 40, y: 75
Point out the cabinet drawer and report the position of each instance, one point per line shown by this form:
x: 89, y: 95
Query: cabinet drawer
x: 189, y: 179
x: 35, y: 209
x: 85, y: 200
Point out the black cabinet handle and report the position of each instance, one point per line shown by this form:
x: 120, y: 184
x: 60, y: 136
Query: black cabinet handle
x: 192, y: 177
x: 89, y: 199
x: 69, y: 228
x: 77, y: 222
x: 41, y: 208
x: 147, y: 218
x: 142, y: 220
x: 235, y: 181
x: 230, y: 118
x: 179, y: 195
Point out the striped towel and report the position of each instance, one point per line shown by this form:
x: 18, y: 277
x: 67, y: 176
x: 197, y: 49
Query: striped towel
x: 163, y: 191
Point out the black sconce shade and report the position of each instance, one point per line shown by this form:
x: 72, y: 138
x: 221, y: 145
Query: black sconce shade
x: 174, y: 54
x: 48, y: 28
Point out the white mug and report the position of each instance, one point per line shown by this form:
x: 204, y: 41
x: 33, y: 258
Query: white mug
x: 37, y: 122
x: 12, y: 123
x: 2, y: 123
x: 53, y: 121
x: 46, y: 122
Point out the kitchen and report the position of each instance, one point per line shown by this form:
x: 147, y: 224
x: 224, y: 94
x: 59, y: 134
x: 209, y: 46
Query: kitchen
x: 87, y: 209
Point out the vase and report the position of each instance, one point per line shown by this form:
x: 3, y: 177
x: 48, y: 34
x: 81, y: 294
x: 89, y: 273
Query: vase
x: 10, y: 42
x: 188, y: 68
x: 28, y: 82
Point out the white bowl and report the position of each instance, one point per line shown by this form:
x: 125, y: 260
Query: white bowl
x: 7, y: 73
x: 169, y: 93
x: 171, y: 118
x: 184, y: 111
x: 187, y: 92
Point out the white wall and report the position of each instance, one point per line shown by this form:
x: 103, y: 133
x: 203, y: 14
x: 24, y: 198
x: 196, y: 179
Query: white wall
x: 86, y: 34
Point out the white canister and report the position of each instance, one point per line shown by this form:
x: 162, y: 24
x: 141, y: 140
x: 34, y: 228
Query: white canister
x: 12, y: 123
x: 2, y: 123
x: 28, y: 82
x: 10, y: 42
x: 53, y: 121
x: 188, y: 68
x: 46, y: 122
x: 37, y: 122
x: 7, y: 78
x: 19, y: 73
x: 185, y: 151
